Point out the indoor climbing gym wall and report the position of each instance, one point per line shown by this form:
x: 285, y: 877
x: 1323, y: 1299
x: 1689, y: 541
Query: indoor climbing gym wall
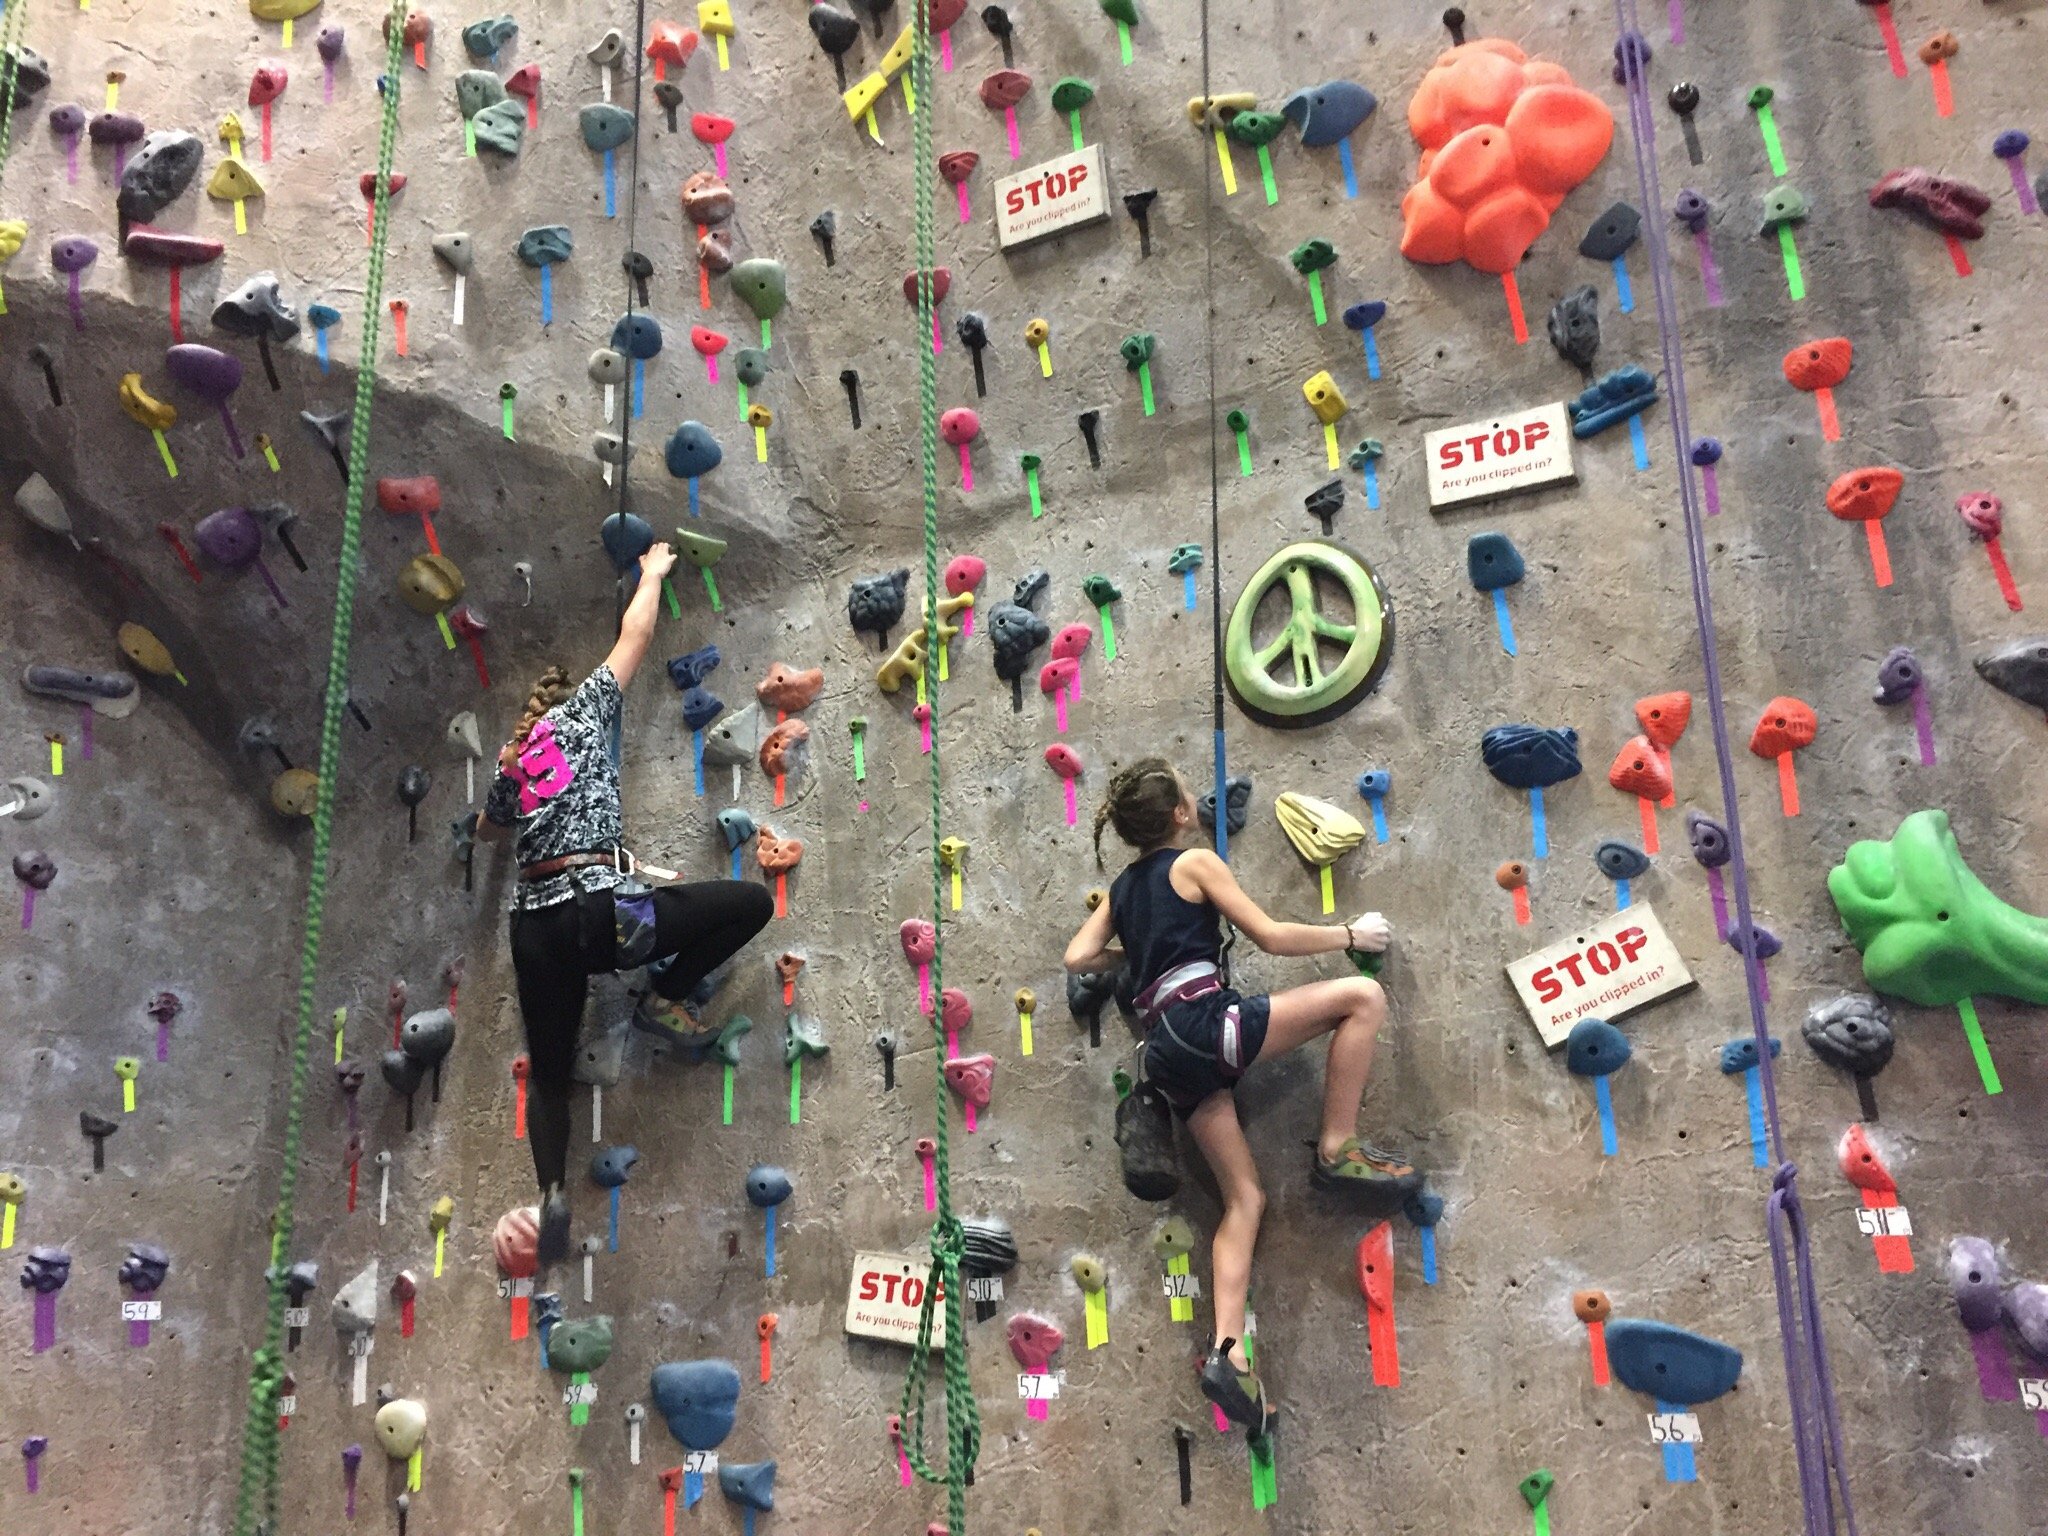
x: 1567, y: 477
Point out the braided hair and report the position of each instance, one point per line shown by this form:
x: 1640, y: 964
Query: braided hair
x: 554, y: 685
x: 1140, y: 804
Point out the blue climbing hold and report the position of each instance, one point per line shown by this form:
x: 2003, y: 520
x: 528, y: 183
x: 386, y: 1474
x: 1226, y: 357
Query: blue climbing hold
x: 1530, y: 756
x: 1612, y: 398
x: 637, y: 336
x: 750, y: 1484
x: 699, y: 1400
x: 545, y: 244
x: 767, y: 1185
x: 1376, y: 783
x: 737, y: 826
x: 692, y: 451
x: 1328, y: 112
x: 605, y: 127
x: 1363, y: 317
x: 700, y: 707
x: 1740, y: 1055
x: 692, y: 667
x: 1595, y: 1048
x: 321, y: 316
x: 1669, y: 1363
x: 1621, y: 861
x: 612, y: 1166
x: 625, y: 538
x: 1493, y: 562
x: 1423, y: 1208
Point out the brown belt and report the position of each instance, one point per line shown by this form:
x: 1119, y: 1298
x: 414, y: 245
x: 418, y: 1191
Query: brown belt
x: 547, y: 867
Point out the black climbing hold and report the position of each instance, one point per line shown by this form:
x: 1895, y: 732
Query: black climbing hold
x: 1237, y: 799
x: 1086, y: 993
x: 1575, y: 327
x: 669, y: 96
x: 1139, y: 206
x: 850, y: 380
x: 40, y: 356
x: 1015, y: 632
x: 826, y: 225
x: 639, y: 269
x: 997, y: 20
x: 1683, y: 98
x: 1088, y: 421
x: 156, y: 174
x: 1030, y: 587
x: 1454, y: 23
x: 1325, y: 502
x: 874, y: 604
x: 1612, y: 233
x: 973, y: 331
x: 97, y: 1128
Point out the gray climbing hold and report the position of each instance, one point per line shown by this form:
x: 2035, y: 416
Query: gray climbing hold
x: 157, y: 173
x: 456, y: 249
x: 1237, y: 799
x: 354, y: 1308
x: 1575, y: 327
x: 544, y: 245
x: 2026, y: 1308
x: 476, y: 89
x: 1852, y: 1034
x: 2019, y: 669
x: 604, y: 126
x: 428, y: 1036
x: 501, y: 127
x: 257, y: 308
x: 735, y: 741
x: 606, y: 367
x: 24, y: 71
x: 113, y: 694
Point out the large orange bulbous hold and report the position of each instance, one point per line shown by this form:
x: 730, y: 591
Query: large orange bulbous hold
x: 1503, y: 139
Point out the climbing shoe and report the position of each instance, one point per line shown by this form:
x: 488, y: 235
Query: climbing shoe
x: 1238, y: 1393
x: 554, y: 1227
x: 1363, y: 1171
x: 673, y: 1020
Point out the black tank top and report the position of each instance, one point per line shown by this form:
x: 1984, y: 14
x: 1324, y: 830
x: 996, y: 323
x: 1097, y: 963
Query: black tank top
x: 1158, y: 927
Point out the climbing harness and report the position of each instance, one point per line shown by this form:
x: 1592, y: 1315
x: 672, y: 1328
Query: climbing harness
x: 266, y: 1374
x: 1816, y: 1424
x: 948, y: 1241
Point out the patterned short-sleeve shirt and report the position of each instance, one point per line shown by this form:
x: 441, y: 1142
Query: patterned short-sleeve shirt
x: 563, y: 794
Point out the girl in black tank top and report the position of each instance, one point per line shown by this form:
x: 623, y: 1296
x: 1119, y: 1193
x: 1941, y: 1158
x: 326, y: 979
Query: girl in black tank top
x: 1165, y: 912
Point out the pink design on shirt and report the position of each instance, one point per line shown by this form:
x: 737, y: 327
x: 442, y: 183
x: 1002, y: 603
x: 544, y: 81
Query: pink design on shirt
x: 542, y: 772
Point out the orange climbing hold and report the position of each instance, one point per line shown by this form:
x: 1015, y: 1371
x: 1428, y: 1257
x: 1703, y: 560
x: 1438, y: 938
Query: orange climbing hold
x: 1503, y: 138
x: 1865, y: 496
x: 1664, y: 717
x: 1638, y: 770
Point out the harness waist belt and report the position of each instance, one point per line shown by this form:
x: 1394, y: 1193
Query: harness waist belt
x: 546, y: 867
x: 1182, y: 984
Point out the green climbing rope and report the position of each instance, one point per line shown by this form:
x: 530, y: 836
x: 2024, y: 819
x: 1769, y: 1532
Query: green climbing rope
x: 963, y: 1416
x: 260, y: 1433
x: 12, y: 22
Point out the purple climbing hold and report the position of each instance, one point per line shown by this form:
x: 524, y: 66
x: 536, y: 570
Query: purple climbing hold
x: 1973, y: 1280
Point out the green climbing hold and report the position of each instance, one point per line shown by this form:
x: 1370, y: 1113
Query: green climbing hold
x: 501, y: 127
x: 583, y: 1345
x: 763, y: 286
x: 1256, y: 129
x: 1100, y: 591
x: 802, y: 1036
x: 727, y: 1046
x: 1031, y: 461
x: 1136, y: 349
x: 1930, y: 931
x: 1237, y: 421
x: 1760, y: 97
x: 1783, y: 205
x: 1281, y: 677
x: 1071, y: 94
x: 1536, y: 1487
x: 1121, y: 10
x: 1185, y: 558
x: 476, y: 89
x: 1313, y: 256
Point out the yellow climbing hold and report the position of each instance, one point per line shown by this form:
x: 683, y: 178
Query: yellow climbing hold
x: 281, y: 10
x: 715, y: 18
x: 1325, y: 398
x: 861, y: 96
x: 898, y: 56
x: 145, y: 408
x: 1320, y: 832
x: 233, y: 181
x: 143, y: 648
x: 295, y: 792
x: 12, y: 233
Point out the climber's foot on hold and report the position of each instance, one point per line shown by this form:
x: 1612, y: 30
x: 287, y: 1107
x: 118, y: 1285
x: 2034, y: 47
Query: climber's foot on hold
x: 1366, y: 1174
x: 673, y: 1020
x: 1236, y: 1390
x: 554, y: 1226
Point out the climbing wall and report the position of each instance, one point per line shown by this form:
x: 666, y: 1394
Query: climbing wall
x: 176, y: 875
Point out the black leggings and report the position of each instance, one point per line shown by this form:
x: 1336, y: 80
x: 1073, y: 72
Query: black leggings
x: 555, y: 951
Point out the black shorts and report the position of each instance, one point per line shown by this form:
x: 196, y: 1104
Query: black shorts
x: 1202, y: 1047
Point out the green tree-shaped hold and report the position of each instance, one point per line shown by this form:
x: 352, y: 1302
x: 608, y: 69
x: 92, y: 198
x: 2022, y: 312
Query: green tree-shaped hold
x: 1313, y: 256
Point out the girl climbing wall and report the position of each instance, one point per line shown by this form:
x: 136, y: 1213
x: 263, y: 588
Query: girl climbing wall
x: 1201, y: 1036
x: 577, y: 907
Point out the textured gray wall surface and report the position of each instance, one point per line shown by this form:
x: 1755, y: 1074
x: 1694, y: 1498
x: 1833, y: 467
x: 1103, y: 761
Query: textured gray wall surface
x: 175, y: 873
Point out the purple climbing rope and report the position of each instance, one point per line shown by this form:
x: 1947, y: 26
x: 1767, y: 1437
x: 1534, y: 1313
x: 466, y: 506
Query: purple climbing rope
x: 1816, y: 1420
